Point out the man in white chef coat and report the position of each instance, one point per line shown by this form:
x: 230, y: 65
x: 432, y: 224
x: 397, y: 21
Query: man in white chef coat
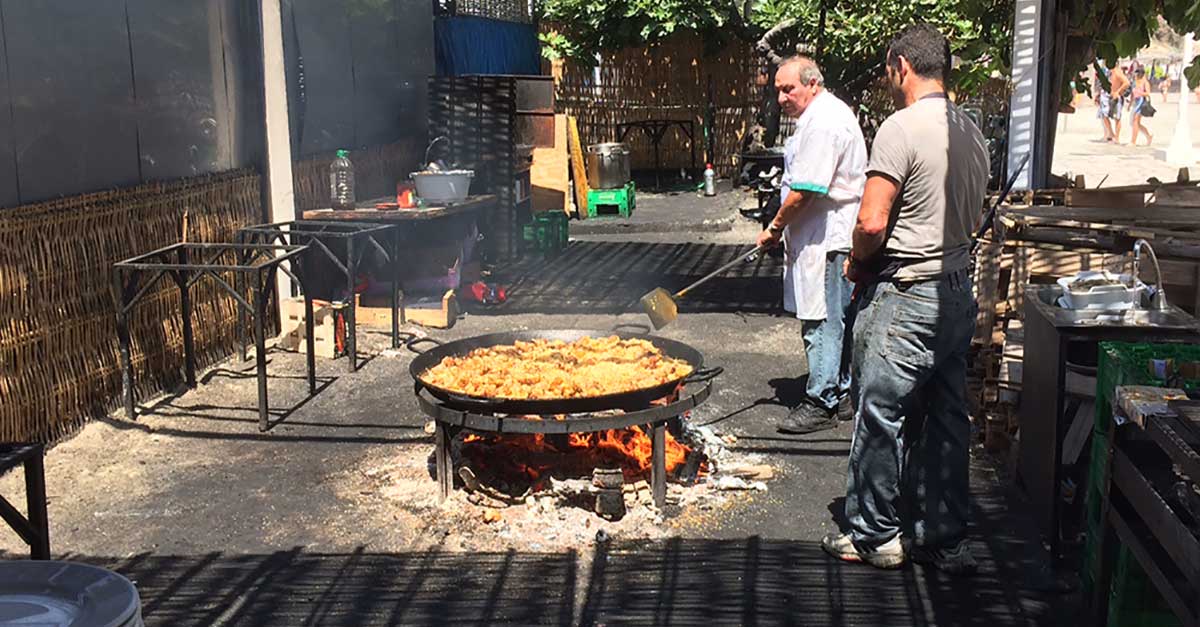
x: 824, y: 173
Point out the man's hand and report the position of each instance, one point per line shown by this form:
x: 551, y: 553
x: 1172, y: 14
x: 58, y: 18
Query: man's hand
x: 854, y: 272
x: 767, y: 239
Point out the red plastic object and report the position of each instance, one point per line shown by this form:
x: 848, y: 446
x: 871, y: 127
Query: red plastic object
x: 481, y: 292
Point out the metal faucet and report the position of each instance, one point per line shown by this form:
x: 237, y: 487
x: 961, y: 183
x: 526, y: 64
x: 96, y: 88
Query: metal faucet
x: 432, y: 143
x: 1159, y: 300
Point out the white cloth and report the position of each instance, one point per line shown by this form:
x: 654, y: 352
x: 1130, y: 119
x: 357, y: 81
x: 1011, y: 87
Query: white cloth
x: 826, y: 156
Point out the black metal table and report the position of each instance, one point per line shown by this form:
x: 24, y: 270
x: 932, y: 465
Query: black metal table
x: 1137, y: 513
x: 449, y: 421
x: 34, y: 530
x: 656, y: 130
x: 355, y: 238
x: 187, y: 263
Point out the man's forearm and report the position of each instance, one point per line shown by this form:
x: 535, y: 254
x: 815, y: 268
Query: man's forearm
x: 866, y: 245
x: 796, y: 203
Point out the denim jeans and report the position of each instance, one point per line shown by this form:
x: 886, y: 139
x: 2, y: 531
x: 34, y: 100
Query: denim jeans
x: 909, y: 371
x: 828, y: 381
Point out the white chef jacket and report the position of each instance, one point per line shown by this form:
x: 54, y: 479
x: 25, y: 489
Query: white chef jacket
x: 827, y: 156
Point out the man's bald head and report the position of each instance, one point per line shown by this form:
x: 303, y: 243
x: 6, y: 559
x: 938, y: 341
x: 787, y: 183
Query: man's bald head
x: 798, y: 80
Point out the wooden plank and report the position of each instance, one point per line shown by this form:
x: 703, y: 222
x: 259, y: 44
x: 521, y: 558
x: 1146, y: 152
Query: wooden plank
x: 1177, y: 196
x: 550, y: 176
x: 578, y: 169
x: 1074, y: 197
x: 438, y: 314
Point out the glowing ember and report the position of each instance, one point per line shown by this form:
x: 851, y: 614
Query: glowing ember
x: 535, y: 457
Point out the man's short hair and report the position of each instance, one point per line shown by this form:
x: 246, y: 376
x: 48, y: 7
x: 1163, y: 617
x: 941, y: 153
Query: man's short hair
x: 809, y: 69
x: 927, y: 51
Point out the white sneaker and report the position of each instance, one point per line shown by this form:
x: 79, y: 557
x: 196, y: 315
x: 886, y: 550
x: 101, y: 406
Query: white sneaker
x: 888, y: 555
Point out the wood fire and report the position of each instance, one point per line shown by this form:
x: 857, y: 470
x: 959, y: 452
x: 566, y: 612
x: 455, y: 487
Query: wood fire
x: 531, y: 459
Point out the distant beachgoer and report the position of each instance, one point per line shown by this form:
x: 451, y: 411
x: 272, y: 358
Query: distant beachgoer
x: 1103, y: 102
x: 1118, y: 91
x: 1141, y: 97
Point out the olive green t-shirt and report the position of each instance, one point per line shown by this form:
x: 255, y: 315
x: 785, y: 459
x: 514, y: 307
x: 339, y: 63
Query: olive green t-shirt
x: 939, y: 158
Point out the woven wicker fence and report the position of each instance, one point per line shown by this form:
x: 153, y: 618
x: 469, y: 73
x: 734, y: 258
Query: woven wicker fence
x: 58, y: 344
x: 668, y: 80
x: 376, y: 171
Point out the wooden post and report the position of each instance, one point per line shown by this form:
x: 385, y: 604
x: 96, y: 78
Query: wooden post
x: 278, y: 197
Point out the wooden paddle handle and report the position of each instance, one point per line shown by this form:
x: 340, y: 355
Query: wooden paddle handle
x: 740, y: 259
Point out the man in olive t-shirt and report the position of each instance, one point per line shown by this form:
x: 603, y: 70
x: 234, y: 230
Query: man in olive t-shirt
x: 915, y: 315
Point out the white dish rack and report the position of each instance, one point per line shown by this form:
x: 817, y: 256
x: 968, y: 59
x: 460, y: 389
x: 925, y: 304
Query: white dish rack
x: 1114, y: 297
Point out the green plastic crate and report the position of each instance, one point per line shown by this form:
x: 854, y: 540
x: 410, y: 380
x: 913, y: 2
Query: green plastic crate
x: 547, y: 233
x: 1124, y: 363
x: 1135, y: 601
x: 624, y: 200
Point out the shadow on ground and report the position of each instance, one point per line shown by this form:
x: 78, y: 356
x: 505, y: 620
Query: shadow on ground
x: 684, y: 582
x: 609, y: 277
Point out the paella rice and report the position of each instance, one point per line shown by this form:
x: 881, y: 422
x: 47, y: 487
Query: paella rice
x: 553, y: 369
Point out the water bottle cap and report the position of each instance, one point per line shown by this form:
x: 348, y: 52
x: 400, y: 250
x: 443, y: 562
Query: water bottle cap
x: 342, y: 154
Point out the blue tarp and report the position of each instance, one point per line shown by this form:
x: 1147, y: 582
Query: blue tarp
x: 477, y: 45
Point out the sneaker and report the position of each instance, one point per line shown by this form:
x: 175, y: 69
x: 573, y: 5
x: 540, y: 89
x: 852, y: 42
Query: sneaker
x: 808, y: 418
x: 845, y: 409
x: 888, y: 555
x: 955, y: 560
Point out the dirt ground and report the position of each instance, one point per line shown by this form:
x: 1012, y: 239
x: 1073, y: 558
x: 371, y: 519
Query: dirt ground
x: 332, y: 516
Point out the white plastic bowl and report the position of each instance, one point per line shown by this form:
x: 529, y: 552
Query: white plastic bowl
x: 444, y: 186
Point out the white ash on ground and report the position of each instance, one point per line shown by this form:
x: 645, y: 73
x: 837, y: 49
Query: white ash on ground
x: 559, y: 517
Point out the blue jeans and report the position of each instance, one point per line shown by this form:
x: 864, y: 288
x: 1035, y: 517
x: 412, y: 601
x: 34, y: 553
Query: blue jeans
x: 909, y: 368
x: 828, y: 381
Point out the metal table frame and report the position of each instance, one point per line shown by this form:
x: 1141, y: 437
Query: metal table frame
x: 1166, y: 549
x: 449, y: 422
x: 255, y: 262
x: 656, y: 130
x: 316, y: 233
x: 34, y: 530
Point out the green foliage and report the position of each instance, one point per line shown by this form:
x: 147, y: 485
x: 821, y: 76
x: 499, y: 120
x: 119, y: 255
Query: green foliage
x: 855, y: 37
x: 582, y: 28
x: 853, y: 41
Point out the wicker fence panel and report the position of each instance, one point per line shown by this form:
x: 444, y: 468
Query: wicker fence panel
x: 668, y: 80
x: 376, y: 171
x: 58, y: 344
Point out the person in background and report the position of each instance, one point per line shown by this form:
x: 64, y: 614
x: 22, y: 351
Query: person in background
x: 1118, y: 85
x: 1103, y: 102
x: 824, y: 164
x: 1169, y: 80
x: 914, y: 319
x: 1141, y: 98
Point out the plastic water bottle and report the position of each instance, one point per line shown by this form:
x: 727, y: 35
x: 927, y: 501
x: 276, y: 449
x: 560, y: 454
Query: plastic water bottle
x: 710, y: 181
x: 341, y: 181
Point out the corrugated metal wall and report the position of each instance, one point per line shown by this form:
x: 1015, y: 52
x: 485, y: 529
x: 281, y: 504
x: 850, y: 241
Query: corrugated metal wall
x: 357, y: 72
x: 110, y: 93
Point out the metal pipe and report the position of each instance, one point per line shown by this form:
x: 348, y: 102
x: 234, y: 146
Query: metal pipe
x: 260, y: 347
x: 1159, y: 300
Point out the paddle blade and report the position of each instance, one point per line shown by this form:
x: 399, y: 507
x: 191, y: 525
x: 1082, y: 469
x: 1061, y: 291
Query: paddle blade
x: 661, y: 308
